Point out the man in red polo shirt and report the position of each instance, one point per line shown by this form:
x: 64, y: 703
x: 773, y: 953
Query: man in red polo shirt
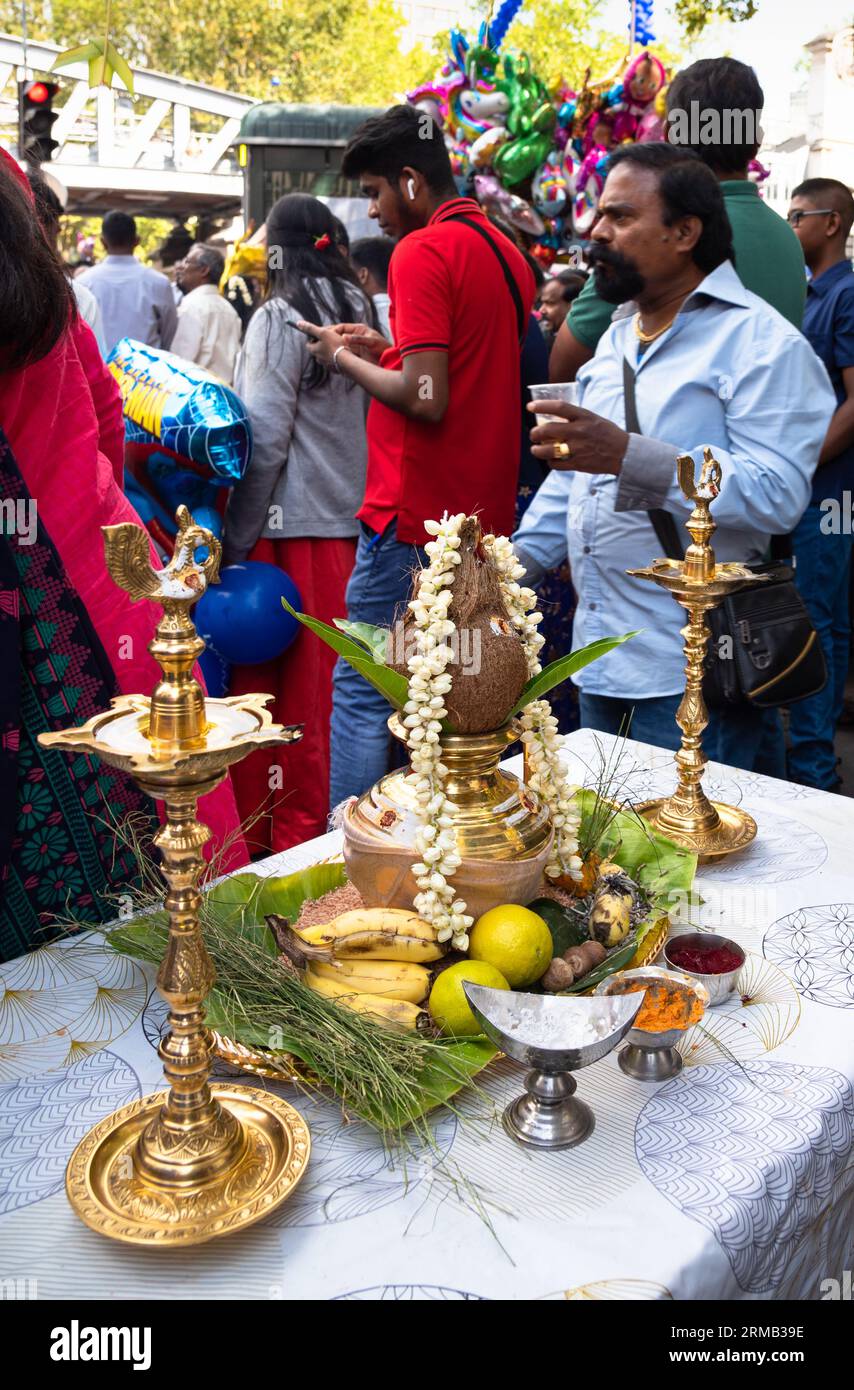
x: 443, y: 425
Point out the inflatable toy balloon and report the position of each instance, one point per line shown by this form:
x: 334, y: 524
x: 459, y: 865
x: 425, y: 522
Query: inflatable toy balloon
x: 176, y: 404
x: 210, y: 518
x: 484, y: 149
x: 520, y: 214
x: 216, y: 673
x: 550, y: 189
x: 518, y: 158
x: 485, y: 108
x: 242, y: 617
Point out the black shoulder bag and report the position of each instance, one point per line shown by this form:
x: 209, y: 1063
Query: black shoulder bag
x: 510, y: 281
x: 763, y: 650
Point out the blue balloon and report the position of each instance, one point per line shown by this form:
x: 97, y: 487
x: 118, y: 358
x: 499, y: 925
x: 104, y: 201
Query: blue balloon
x: 216, y: 673
x: 208, y: 517
x: 242, y: 617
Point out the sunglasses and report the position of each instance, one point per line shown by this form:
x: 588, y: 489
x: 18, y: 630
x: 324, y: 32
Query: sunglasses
x: 795, y: 217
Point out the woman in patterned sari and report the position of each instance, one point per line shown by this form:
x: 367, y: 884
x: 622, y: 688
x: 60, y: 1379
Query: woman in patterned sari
x: 69, y: 638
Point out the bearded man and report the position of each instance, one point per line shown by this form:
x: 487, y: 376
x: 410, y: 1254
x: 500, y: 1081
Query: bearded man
x: 706, y: 363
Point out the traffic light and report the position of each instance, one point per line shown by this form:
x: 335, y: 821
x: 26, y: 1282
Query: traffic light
x: 35, y: 121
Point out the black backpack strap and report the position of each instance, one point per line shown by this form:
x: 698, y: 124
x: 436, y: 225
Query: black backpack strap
x: 521, y: 318
x: 663, y: 522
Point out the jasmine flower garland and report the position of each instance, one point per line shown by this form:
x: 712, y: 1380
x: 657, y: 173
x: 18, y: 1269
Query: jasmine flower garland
x: 429, y: 683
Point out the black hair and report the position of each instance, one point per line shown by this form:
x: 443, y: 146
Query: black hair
x: 520, y: 241
x: 401, y: 138
x: 373, y: 253
x: 687, y: 188
x: 713, y: 108
x: 212, y: 259
x: 36, y: 300
x: 49, y: 209
x: 296, y: 266
x: 835, y: 194
x: 340, y: 235
x: 573, y: 282
x: 118, y: 230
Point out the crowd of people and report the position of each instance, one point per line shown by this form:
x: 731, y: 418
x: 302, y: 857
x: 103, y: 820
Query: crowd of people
x: 386, y: 383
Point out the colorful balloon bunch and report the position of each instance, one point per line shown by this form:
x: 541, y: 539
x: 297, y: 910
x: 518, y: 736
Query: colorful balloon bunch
x: 536, y: 161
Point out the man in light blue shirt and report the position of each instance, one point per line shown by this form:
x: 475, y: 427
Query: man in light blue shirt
x: 713, y: 365
x: 135, y: 301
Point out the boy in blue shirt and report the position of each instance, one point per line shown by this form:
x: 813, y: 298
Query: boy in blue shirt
x: 822, y: 214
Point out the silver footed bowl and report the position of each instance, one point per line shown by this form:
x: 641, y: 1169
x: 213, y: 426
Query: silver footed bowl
x: 553, y: 1036
x: 539, y: 1030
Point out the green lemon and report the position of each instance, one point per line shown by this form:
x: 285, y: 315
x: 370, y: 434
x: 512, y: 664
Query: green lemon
x: 448, y: 1003
x: 515, y: 940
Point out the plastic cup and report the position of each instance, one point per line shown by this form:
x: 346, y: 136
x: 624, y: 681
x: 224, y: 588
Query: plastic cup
x: 554, y: 391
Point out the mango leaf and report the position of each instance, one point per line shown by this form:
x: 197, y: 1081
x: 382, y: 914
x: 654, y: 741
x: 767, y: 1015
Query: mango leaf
x: 567, y: 929
x: 123, y: 72
x: 374, y: 638
x: 83, y: 54
x: 565, y: 666
x: 389, y: 683
x: 102, y: 57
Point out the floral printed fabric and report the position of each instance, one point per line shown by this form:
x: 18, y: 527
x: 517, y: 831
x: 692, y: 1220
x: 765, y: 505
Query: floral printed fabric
x: 58, y: 850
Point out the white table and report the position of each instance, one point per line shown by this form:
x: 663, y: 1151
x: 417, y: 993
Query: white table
x: 729, y: 1181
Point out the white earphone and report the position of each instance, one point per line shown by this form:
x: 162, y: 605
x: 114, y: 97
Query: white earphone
x: 410, y: 188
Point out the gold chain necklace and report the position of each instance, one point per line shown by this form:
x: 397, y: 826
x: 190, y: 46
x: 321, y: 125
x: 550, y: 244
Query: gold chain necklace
x: 651, y: 337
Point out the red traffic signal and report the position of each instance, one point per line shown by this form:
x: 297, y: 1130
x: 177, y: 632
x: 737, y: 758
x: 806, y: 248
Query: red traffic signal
x: 35, y: 120
x: 39, y: 92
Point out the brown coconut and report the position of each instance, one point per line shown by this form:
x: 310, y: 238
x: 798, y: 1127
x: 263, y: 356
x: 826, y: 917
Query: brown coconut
x: 489, y: 668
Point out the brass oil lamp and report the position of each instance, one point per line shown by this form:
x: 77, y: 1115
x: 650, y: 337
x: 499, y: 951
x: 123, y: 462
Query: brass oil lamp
x: 709, y: 829
x: 198, y: 1160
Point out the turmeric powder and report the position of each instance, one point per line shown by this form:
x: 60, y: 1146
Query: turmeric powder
x: 665, y: 1006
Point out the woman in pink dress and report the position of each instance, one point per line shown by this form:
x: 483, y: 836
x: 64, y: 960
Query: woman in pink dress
x: 70, y: 639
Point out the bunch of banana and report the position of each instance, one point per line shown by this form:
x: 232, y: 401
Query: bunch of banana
x: 371, y: 960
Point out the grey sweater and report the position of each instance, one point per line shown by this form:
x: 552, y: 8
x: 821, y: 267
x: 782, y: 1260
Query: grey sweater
x: 309, y: 454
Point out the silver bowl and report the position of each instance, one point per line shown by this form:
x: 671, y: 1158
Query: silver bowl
x: 651, y: 1056
x: 719, y: 986
x: 541, y: 1031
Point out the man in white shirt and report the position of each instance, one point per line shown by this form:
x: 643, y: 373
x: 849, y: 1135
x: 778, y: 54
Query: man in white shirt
x: 136, y: 301
x: 208, y: 326
x: 371, y: 255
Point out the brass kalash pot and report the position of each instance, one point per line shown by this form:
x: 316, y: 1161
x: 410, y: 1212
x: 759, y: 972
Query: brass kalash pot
x: 503, y: 829
x: 196, y: 1161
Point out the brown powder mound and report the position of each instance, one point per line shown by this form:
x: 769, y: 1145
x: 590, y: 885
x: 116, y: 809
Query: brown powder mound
x: 316, y: 911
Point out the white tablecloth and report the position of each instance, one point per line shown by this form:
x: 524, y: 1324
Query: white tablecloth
x: 732, y: 1180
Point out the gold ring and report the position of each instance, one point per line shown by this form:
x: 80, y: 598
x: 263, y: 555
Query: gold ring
x: 561, y: 451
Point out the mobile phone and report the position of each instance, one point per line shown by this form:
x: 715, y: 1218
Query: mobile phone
x: 292, y: 323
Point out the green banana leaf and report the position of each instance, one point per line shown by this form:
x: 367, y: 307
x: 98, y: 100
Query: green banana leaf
x: 389, y: 683
x: 565, y: 666
x: 240, y: 904
x: 664, y: 871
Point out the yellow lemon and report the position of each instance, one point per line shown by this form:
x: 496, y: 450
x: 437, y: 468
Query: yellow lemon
x: 515, y: 940
x: 448, y: 1003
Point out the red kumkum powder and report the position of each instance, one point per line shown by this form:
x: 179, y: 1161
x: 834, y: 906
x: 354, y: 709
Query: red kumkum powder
x: 718, y: 960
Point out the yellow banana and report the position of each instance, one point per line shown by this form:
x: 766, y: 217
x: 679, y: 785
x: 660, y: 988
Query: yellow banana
x: 381, y: 933
x: 393, y: 979
x: 394, y: 1013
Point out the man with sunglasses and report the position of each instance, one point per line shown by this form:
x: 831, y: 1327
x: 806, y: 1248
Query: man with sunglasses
x: 822, y: 214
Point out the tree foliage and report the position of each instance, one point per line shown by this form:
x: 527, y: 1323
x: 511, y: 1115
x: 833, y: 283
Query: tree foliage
x: 320, y: 50
x: 694, y: 15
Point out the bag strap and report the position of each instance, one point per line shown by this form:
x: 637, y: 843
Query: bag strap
x: 521, y: 319
x: 663, y: 522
